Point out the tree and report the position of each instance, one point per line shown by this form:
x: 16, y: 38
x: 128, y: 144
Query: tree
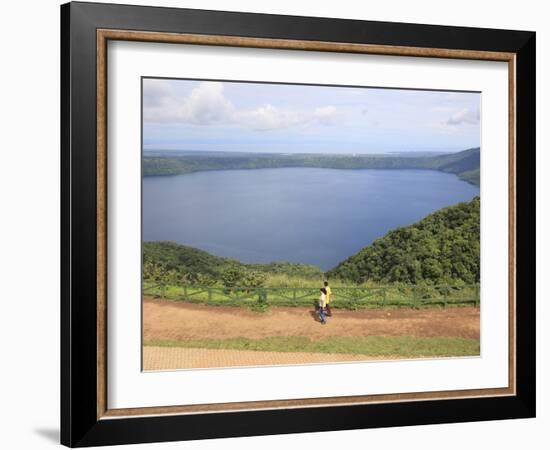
x: 442, y: 248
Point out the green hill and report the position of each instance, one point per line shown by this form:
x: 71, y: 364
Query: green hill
x: 471, y: 176
x: 464, y: 164
x: 460, y: 163
x: 172, y: 256
x: 192, y: 261
x: 441, y: 248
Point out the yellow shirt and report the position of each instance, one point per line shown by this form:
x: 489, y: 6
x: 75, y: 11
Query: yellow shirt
x: 329, y: 294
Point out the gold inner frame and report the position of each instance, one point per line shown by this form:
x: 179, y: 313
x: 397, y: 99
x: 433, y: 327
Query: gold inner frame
x: 104, y: 35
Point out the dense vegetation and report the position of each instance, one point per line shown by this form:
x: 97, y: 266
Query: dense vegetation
x: 441, y: 248
x: 465, y: 164
x: 171, y: 262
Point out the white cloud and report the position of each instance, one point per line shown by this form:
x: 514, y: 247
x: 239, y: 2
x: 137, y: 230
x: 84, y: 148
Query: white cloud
x: 207, y: 105
x: 155, y: 91
x: 464, y: 116
x: 441, y: 109
x: 268, y: 117
x: 326, y: 115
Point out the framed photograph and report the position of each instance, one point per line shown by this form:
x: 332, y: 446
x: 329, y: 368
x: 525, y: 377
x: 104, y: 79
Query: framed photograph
x: 277, y: 224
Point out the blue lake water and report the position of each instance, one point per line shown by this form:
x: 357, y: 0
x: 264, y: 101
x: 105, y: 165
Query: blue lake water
x: 315, y: 216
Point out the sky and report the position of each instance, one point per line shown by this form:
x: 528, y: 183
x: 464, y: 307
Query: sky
x: 283, y: 118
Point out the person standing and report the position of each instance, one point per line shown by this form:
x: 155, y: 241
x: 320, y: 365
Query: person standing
x: 322, y: 306
x: 329, y: 298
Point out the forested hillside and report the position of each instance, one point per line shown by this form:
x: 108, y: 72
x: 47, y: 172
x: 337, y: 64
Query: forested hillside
x: 464, y: 164
x: 194, y: 263
x: 441, y: 248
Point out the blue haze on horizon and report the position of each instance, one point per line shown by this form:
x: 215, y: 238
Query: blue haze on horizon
x: 282, y: 118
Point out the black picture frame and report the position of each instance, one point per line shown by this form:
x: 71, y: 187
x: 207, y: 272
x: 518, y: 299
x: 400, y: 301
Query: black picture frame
x: 80, y: 425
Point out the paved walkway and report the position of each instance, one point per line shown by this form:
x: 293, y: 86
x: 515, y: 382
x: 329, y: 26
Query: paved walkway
x: 170, y: 358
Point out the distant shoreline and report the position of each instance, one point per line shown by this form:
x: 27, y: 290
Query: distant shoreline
x: 464, y: 164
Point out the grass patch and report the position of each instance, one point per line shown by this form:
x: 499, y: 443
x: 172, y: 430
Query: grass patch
x: 394, y: 346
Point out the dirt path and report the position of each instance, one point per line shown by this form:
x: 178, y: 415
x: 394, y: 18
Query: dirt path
x: 167, y: 320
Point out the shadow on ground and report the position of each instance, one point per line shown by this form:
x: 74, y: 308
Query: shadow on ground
x: 50, y: 434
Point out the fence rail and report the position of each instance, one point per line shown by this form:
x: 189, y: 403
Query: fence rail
x: 345, y: 297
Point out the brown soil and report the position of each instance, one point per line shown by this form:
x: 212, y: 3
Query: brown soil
x: 174, y: 321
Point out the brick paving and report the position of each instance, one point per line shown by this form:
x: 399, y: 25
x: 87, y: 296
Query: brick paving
x: 170, y: 358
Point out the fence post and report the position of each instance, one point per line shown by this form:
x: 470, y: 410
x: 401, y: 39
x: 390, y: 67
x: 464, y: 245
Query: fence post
x: 209, y: 293
x: 477, y: 299
x: 414, y: 295
x: 162, y: 290
x: 185, y: 291
x: 294, y: 295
